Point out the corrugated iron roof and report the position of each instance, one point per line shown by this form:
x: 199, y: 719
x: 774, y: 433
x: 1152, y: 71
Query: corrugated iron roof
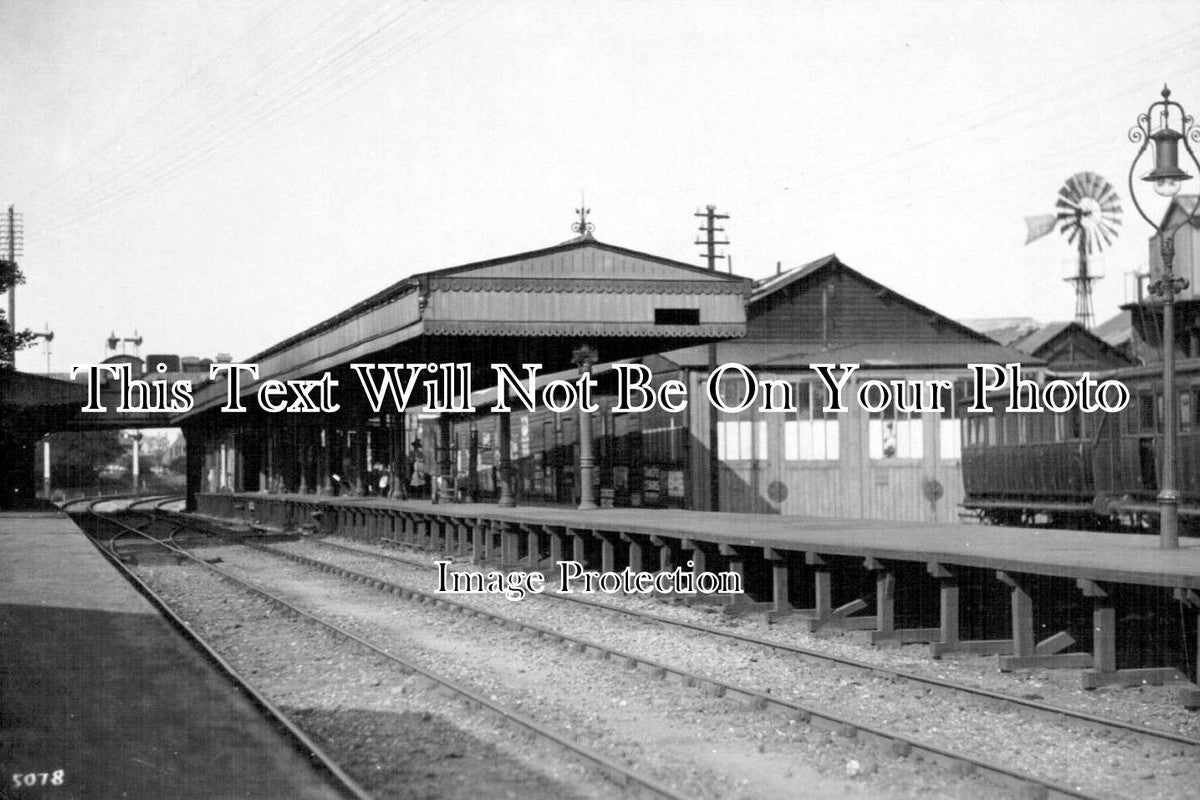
x: 1116, y: 330
x: 1037, y: 339
x: 1004, y: 330
x: 766, y: 287
x: 415, y: 282
x: 899, y: 354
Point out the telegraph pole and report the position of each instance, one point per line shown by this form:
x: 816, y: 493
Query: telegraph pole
x: 710, y: 243
x: 12, y: 234
x: 709, y: 228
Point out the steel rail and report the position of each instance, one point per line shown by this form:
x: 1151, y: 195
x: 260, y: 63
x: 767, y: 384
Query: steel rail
x: 152, y: 515
x: 898, y: 744
x: 891, y: 672
x: 300, y: 741
x: 613, y: 770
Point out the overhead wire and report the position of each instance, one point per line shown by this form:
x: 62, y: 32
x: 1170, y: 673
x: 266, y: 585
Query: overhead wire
x: 905, y: 184
x: 288, y: 94
x: 231, y: 104
x: 184, y: 161
x: 252, y: 102
x: 1019, y: 104
x: 94, y: 154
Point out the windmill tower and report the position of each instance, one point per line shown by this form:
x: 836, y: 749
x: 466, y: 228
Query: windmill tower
x: 1089, y: 211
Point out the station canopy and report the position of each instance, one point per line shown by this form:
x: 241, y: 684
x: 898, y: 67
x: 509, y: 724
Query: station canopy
x: 530, y: 308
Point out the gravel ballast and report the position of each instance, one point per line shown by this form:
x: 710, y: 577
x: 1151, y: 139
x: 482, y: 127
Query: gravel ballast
x: 1075, y: 754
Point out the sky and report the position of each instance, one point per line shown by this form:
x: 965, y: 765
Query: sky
x: 219, y: 175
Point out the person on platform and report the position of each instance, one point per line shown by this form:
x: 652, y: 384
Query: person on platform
x: 420, y: 476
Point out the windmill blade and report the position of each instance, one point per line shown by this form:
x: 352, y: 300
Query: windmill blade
x: 1105, y: 236
x: 1107, y: 195
x: 1039, y: 226
x: 1075, y: 188
x: 1063, y: 202
x: 1084, y: 181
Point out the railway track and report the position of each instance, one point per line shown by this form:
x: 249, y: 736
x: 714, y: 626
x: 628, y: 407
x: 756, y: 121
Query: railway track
x: 888, y: 741
x: 303, y: 744
x: 1052, y: 711
x: 618, y: 773
x: 897, y: 744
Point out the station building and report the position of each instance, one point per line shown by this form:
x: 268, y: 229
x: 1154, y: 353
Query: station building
x: 1064, y: 346
x: 804, y: 461
x: 567, y: 306
x: 617, y: 304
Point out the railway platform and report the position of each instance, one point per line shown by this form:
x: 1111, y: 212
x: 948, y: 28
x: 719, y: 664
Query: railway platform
x: 989, y: 590
x: 104, y: 699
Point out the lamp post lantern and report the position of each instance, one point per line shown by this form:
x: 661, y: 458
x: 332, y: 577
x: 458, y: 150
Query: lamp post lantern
x: 1166, y: 124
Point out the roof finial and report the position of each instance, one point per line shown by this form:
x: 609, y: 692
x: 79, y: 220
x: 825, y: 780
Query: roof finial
x: 583, y: 227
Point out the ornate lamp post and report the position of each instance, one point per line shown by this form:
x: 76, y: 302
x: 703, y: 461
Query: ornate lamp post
x: 584, y: 357
x: 1157, y: 125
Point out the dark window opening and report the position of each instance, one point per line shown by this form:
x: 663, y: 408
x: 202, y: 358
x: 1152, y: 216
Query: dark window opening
x: 1146, y: 403
x: 676, y: 316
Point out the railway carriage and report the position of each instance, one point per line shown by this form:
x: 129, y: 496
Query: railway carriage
x: 1086, y: 470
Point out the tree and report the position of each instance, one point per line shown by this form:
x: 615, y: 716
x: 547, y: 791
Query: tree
x: 10, y: 341
x: 77, y: 458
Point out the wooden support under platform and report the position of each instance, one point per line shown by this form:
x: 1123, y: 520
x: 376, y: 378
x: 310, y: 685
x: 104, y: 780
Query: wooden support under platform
x: 737, y: 564
x: 1026, y: 654
x: 1104, y: 630
x: 780, y: 578
x: 699, y: 564
x: 950, y: 641
x: 636, y: 557
x: 1189, y: 696
x: 533, y: 546
x: 823, y: 614
x: 885, y: 609
x: 1122, y: 562
x: 666, y: 553
x: 465, y: 527
x: 557, y: 536
x: 578, y: 546
x: 608, y: 550
x: 738, y: 602
x: 509, y: 546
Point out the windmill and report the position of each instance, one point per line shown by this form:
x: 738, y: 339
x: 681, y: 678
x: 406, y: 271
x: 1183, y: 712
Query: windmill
x: 1089, y: 211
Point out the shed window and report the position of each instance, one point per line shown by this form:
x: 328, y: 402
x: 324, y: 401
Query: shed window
x: 896, y: 437
x: 950, y: 431
x: 895, y: 434
x: 676, y: 316
x: 812, y: 435
x: 741, y: 440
